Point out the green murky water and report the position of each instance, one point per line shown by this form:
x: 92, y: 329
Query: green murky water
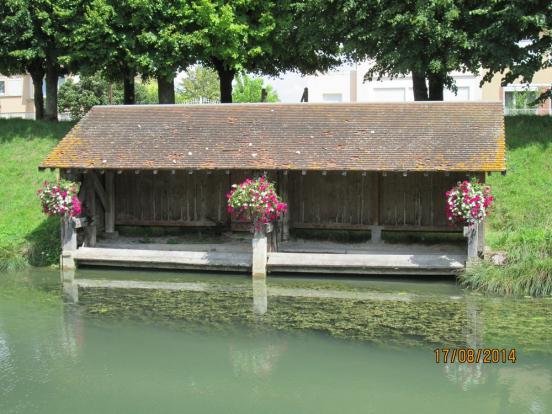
x: 223, y: 344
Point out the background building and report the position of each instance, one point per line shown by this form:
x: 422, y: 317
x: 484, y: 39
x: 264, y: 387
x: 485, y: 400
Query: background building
x: 16, y: 96
x: 346, y: 84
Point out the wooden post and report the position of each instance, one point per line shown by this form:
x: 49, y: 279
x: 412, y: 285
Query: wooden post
x: 90, y: 204
x: 260, y: 253
x: 375, y: 230
x: 284, y: 194
x: 110, y: 205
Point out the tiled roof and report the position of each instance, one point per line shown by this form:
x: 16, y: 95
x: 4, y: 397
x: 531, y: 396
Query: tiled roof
x: 436, y: 136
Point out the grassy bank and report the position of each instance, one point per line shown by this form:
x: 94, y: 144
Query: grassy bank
x: 521, y: 223
x: 26, y: 236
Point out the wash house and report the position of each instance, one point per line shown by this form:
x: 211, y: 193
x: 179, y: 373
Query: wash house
x: 359, y: 168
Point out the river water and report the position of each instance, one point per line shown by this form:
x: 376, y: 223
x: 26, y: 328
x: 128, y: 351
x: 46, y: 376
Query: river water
x: 225, y: 344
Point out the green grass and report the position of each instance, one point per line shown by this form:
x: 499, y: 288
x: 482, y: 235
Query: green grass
x: 26, y: 236
x: 521, y: 222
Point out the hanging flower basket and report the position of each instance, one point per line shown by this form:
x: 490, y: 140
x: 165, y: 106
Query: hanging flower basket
x: 60, y: 199
x: 468, y: 203
x: 256, y: 200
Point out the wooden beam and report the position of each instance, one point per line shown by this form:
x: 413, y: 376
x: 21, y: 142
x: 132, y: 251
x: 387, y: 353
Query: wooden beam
x: 110, y: 202
x: 168, y: 223
x: 90, y: 210
x: 98, y: 187
x: 359, y: 227
x: 375, y: 207
x: 284, y: 193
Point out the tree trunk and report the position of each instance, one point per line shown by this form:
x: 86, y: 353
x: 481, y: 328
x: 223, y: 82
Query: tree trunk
x: 436, y: 86
x: 419, y: 86
x: 51, y: 109
x: 37, y: 75
x: 129, y: 97
x: 226, y: 77
x: 165, y: 89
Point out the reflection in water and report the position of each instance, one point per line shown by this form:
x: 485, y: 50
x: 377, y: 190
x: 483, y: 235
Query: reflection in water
x: 242, y: 345
x: 260, y: 296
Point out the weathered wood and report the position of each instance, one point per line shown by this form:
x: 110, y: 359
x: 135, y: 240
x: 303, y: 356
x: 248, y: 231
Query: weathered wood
x: 164, y: 259
x: 283, y: 189
x: 167, y: 199
x: 90, y: 211
x: 399, y: 228
x: 167, y: 223
x: 398, y: 264
x: 98, y: 187
x: 110, y: 203
x: 376, y: 194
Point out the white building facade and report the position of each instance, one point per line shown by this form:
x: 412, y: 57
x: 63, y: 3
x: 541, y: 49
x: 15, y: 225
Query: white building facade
x: 346, y: 84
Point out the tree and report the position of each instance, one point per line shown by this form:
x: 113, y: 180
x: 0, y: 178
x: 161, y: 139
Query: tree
x: 256, y: 36
x: 249, y: 89
x: 20, y: 51
x: 428, y: 39
x: 34, y: 33
x: 105, y: 39
x: 199, y: 83
x: 514, y: 38
x: 78, y: 97
x: 164, y: 41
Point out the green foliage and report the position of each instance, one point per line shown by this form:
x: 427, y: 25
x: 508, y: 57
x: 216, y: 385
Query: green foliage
x: 428, y: 37
x: 249, y: 89
x: 199, y: 83
x: 513, y: 37
x: 521, y: 223
x: 146, y: 92
x: 78, y: 97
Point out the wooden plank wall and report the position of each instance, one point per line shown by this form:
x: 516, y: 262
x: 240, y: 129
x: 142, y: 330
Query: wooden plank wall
x: 352, y: 201
x: 315, y: 200
x: 178, y: 199
x: 415, y: 200
x: 331, y: 200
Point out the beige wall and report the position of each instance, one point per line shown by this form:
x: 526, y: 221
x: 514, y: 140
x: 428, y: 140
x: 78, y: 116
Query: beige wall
x: 18, y: 95
x: 492, y: 91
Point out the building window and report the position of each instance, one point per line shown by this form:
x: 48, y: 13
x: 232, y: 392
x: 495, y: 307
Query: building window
x: 520, y: 102
x: 332, y: 97
x: 2, y: 88
x: 389, y: 94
